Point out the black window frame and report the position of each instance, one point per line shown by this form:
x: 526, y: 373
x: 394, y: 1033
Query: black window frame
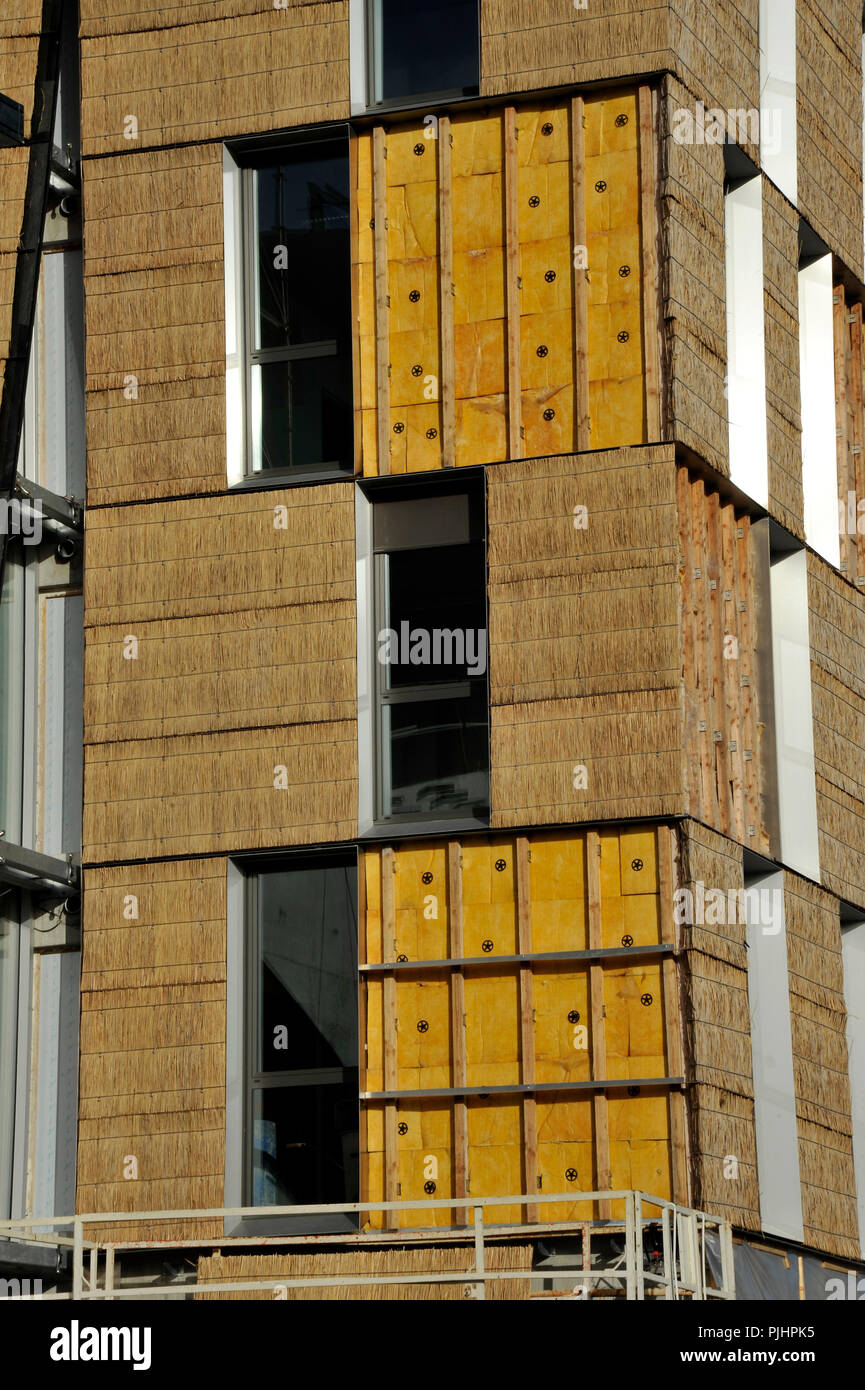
x: 470, y: 482
x: 251, y: 154
x: 255, y: 1079
x: 411, y: 99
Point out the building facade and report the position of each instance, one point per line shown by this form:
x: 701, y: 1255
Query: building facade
x: 474, y: 670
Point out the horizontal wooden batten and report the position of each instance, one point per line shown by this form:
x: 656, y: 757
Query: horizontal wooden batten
x: 521, y: 1089
x: 459, y: 963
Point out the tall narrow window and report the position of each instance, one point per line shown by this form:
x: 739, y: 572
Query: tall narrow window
x: 853, y: 954
x: 430, y: 654
x: 746, y: 351
x: 302, y: 1065
x: 11, y: 697
x: 288, y: 310
x: 817, y: 386
x: 778, y: 133
x: 426, y: 51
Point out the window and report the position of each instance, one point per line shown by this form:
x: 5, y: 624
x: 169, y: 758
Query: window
x: 778, y: 115
x: 431, y: 735
x: 853, y: 956
x: 434, y: 51
x: 817, y: 386
x: 301, y: 1145
x: 746, y: 354
x: 288, y: 310
x: 12, y: 696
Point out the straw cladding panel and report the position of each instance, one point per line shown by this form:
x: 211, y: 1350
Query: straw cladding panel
x: 152, y: 1077
x: 818, y: 1021
x: 585, y: 666
x: 155, y: 310
x: 850, y: 429
x: 829, y: 110
x: 836, y: 625
x: 219, y: 74
x: 692, y: 196
x: 719, y: 1036
x: 781, y: 301
x: 243, y: 609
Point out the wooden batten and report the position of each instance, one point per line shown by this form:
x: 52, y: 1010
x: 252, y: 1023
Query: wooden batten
x: 512, y: 286
x: 596, y: 998
x: 668, y: 883
x: 527, y: 1023
x: 382, y: 299
x: 446, y: 290
x: 580, y: 275
x: 458, y: 1030
x: 354, y: 236
x: 649, y: 226
x: 389, y: 1025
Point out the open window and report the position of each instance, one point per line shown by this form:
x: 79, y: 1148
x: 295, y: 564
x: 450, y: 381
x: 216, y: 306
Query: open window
x: 422, y: 52
x: 288, y: 309
x: 301, y: 1042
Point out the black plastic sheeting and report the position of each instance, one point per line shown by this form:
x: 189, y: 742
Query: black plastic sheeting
x: 765, y: 1277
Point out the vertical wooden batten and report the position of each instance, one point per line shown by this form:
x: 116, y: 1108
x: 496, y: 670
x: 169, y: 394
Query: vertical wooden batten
x: 649, y: 228
x: 527, y: 1023
x: 388, y: 943
x: 512, y: 286
x: 580, y: 286
x: 382, y: 298
x: 599, y: 1034
x: 357, y: 390
x: 446, y: 291
x: 667, y: 884
x: 458, y: 1029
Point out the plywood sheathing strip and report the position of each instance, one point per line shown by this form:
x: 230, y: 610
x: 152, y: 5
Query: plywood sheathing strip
x: 446, y: 290
x: 382, y: 299
x: 650, y: 285
x: 389, y: 1026
x: 512, y: 286
x: 458, y: 1028
x: 580, y: 274
x: 599, y: 1047
x: 527, y: 1023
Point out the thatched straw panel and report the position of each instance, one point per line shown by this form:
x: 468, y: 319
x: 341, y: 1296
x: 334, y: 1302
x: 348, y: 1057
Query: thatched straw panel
x: 331, y: 1264
x: 781, y: 297
x: 260, y: 70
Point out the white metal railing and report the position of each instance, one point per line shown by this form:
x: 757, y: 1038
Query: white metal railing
x: 683, y: 1254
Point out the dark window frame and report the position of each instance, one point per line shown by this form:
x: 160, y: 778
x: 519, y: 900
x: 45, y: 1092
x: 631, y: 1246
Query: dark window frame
x: 410, y: 99
x: 471, y: 483
x: 250, y: 155
x: 254, y: 1079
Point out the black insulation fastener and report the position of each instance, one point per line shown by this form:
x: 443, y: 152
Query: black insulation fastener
x: 574, y: 1016
x: 402, y: 1127
x: 571, y: 1174
x: 646, y: 1000
x: 549, y: 414
x: 636, y: 865
x: 627, y: 940
x: 414, y: 296
x: 422, y: 1025
x: 487, y: 946
x: 426, y: 877
x: 429, y: 1187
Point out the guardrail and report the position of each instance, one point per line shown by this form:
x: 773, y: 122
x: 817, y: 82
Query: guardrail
x: 680, y: 1271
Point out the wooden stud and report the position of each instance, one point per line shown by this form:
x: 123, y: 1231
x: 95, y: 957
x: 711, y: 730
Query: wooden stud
x: 730, y: 669
x: 355, y: 313
x: 599, y: 1036
x: 667, y: 885
x: 389, y: 1027
x: 446, y: 291
x: 512, y: 273
x: 580, y: 281
x: 382, y: 299
x: 458, y: 1029
x: 649, y: 227
x: 718, y: 704
x: 751, y: 773
x: 527, y: 1023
